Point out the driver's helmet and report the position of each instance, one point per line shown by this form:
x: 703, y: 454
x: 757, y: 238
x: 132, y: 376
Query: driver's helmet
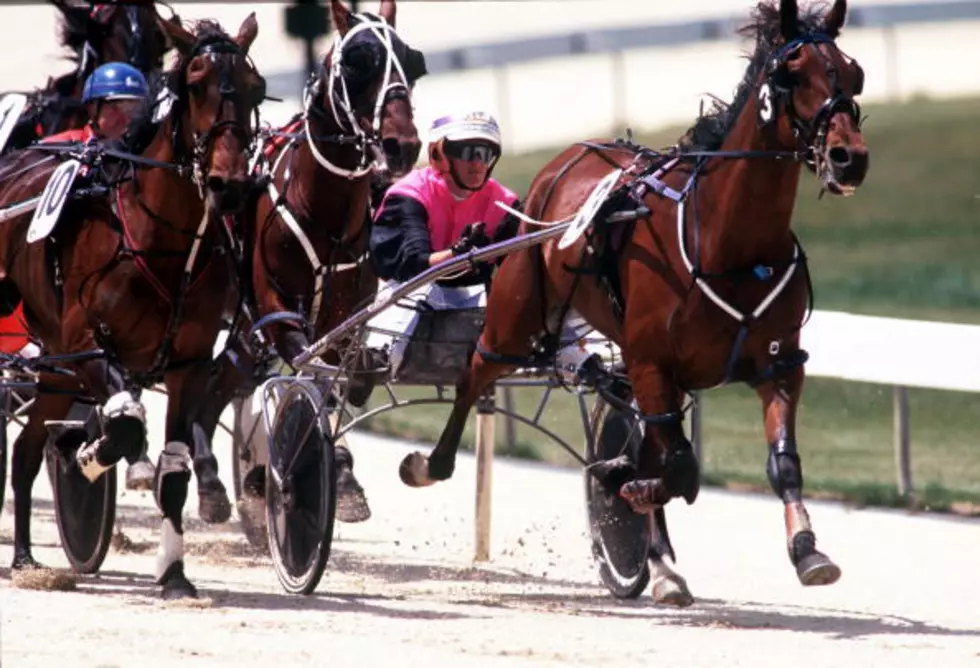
x: 115, y: 81
x: 475, y: 133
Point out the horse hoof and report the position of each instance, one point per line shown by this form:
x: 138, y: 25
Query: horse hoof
x: 352, y: 505
x: 25, y: 562
x: 672, y: 591
x: 817, y: 569
x: 175, y: 585
x: 139, y: 476
x: 213, y: 505
x: 414, y: 470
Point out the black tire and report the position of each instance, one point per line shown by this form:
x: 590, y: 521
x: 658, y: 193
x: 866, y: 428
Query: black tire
x: 85, y: 512
x: 248, y: 494
x: 620, y: 537
x: 301, y: 506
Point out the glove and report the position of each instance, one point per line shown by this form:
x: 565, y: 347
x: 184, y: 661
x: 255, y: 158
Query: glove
x: 473, y: 236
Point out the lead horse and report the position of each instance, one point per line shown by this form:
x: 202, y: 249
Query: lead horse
x: 133, y: 32
x: 142, y: 274
x: 306, y: 231
x: 708, y: 287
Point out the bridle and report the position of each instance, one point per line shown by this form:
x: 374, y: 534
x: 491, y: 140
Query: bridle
x: 368, y: 143
x: 776, y: 90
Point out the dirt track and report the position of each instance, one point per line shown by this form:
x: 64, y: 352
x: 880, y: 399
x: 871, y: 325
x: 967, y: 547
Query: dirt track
x: 401, y: 589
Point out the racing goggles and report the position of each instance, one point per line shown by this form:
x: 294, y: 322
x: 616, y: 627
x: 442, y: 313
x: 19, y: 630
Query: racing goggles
x: 471, y: 152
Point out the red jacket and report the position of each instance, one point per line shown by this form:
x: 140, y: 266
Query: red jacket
x: 75, y: 134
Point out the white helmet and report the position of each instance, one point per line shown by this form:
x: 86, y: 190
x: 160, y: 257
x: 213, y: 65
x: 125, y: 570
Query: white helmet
x: 473, y: 126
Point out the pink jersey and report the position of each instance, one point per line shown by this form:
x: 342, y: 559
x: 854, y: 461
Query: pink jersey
x: 447, y: 216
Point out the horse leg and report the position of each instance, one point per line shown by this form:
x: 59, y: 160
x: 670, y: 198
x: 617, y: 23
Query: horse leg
x: 185, y: 392
x: 27, y: 457
x: 785, y: 472
x: 512, y: 322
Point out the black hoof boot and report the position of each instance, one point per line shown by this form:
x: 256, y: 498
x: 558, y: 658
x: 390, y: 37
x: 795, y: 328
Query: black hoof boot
x: 352, y: 505
x: 613, y: 473
x: 682, y: 474
x: 174, y: 584
x: 813, y: 567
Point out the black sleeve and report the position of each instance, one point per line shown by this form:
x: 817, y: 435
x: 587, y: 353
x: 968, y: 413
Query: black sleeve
x: 507, y: 229
x: 399, y: 244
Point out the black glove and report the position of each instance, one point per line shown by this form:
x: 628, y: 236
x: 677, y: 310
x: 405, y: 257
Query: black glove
x: 473, y: 236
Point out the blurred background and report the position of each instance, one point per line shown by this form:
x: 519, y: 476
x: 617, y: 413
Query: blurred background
x: 555, y: 72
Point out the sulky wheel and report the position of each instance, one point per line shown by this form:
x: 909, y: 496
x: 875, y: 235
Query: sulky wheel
x: 620, y: 537
x: 85, y: 512
x: 5, y: 407
x: 300, y: 489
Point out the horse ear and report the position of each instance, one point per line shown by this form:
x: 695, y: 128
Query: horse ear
x: 387, y: 12
x: 248, y: 32
x: 836, y: 17
x: 341, y: 17
x: 182, y: 40
x: 789, y: 24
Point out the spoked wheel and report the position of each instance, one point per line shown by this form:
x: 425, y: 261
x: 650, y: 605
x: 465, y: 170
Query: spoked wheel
x: 300, y: 489
x: 620, y: 537
x: 248, y: 436
x: 5, y: 401
x: 85, y: 512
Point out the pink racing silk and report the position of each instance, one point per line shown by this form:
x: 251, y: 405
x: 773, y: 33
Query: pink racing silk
x: 447, y: 216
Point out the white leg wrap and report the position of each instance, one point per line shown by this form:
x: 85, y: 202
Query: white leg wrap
x: 171, y: 548
x: 123, y: 404
x: 570, y: 360
x: 87, y: 462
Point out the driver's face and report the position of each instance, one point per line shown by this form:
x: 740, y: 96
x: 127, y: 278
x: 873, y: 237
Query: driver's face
x: 114, y: 116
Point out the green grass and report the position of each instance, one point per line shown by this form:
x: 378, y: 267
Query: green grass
x: 906, y: 245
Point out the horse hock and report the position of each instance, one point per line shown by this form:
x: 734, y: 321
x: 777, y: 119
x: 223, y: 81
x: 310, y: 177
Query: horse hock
x: 170, y: 492
x: 785, y: 473
x: 123, y: 421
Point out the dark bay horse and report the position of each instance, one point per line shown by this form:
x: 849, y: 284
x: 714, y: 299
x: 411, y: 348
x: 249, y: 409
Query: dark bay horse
x: 132, y: 32
x: 142, y: 274
x: 707, y: 287
x: 307, y: 231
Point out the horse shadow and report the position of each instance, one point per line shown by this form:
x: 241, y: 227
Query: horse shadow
x: 836, y: 623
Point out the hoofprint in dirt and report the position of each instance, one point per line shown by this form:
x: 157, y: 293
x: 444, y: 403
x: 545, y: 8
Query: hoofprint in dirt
x: 401, y: 588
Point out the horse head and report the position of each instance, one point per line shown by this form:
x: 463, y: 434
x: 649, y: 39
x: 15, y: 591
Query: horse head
x: 807, y: 91
x: 370, y: 74
x: 132, y: 32
x: 216, y: 91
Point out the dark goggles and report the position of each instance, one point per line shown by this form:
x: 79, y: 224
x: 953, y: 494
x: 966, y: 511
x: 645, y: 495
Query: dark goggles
x: 471, y: 152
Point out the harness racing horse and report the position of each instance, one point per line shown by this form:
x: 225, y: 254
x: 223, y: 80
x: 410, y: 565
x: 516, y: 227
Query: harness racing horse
x: 307, y: 231
x: 708, y: 286
x: 131, y: 32
x: 144, y: 274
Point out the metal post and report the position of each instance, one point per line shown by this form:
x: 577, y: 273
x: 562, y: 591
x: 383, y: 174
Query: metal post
x: 484, y: 470
x: 510, y: 432
x: 696, y: 421
x: 619, y: 88
x: 503, y: 106
x: 893, y: 87
x: 901, y: 429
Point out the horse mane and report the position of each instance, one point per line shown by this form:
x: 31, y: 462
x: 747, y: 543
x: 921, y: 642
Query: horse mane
x: 142, y: 128
x: 72, y: 39
x: 710, y: 130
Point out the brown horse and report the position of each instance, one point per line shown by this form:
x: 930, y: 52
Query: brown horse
x: 132, y: 33
x: 142, y: 274
x: 709, y: 286
x: 307, y: 231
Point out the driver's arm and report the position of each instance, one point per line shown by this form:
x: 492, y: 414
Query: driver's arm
x: 399, y: 244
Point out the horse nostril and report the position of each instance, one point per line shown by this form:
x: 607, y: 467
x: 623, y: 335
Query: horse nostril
x: 216, y: 184
x: 840, y: 156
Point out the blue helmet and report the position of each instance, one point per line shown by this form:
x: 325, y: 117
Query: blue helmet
x: 115, y: 81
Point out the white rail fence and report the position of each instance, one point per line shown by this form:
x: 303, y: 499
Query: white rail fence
x: 851, y: 347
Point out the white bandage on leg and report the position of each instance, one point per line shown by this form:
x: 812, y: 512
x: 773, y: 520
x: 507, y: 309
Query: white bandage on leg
x: 123, y: 404
x: 171, y: 548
